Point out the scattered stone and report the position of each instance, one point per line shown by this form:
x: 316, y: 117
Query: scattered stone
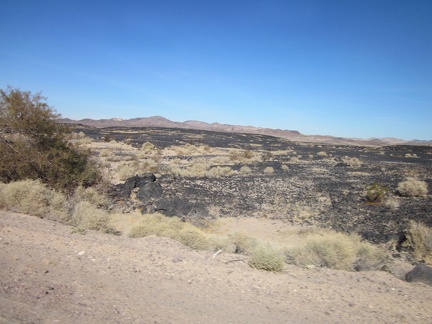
x: 177, y: 258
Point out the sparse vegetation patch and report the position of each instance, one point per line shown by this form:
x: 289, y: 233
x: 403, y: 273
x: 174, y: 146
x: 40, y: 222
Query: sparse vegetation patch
x: 265, y: 257
x: 376, y: 192
x: 419, y: 241
x: 337, y: 251
x: 412, y: 187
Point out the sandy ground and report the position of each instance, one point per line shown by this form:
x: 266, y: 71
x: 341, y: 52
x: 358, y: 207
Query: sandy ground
x: 51, y: 275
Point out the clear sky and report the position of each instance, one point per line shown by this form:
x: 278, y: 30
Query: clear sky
x: 352, y: 68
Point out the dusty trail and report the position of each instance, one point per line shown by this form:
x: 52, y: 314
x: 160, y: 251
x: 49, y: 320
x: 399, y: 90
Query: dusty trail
x: 51, y: 275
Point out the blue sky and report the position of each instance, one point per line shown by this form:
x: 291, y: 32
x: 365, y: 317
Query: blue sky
x: 352, y: 68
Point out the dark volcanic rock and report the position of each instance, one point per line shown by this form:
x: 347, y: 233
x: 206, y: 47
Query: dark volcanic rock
x: 420, y: 273
x: 179, y: 207
x: 149, y: 192
x: 123, y: 191
x: 150, y: 197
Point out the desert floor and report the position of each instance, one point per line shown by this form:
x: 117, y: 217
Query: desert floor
x: 51, y: 275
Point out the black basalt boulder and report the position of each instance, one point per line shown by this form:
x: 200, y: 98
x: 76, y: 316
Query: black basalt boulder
x: 420, y: 273
x: 123, y: 191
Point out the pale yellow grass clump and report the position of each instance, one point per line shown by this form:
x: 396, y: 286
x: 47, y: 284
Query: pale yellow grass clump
x: 419, y: 241
x: 172, y: 227
x: 187, y: 149
x: 265, y: 257
x: 412, y: 187
x: 34, y: 198
x: 245, y: 169
x: 269, y: 170
x: 352, y: 162
x: 127, y: 170
x: 90, y: 195
x: 88, y: 217
x: 322, y: 154
x: 336, y: 251
x: 196, y: 169
x: 220, y: 171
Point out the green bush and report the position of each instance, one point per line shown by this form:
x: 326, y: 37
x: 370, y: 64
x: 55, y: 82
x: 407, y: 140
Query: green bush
x: 265, y: 257
x: 33, y: 145
x: 376, y: 192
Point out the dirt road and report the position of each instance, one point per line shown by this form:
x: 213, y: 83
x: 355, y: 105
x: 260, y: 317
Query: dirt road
x: 51, y: 275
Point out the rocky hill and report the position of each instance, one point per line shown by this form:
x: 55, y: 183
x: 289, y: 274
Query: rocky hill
x: 293, y: 135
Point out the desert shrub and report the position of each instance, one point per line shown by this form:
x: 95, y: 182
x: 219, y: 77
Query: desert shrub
x: 34, y: 198
x: 127, y: 170
x: 412, y: 187
x: 148, y: 147
x: 337, y: 251
x: 107, y: 138
x: 408, y: 155
x: 88, y: 217
x: 3, y: 202
x: 376, y: 192
x: 419, y: 240
x: 294, y: 159
x: 285, y: 167
x: 322, y: 154
x: 234, y: 156
x: 392, y: 203
x: 33, y: 145
x: 188, y: 149
x: 241, y: 155
x: 266, y: 156
x: 106, y: 153
x: 90, y: 195
x: 265, y: 257
x: 243, y: 242
x: 247, y: 154
x: 269, y: 170
x: 352, y: 162
x: 193, y: 237
x: 217, y: 243
x: 198, y: 169
x: 203, y: 223
x: 245, y: 169
x: 172, y: 227
x: 219, y: 171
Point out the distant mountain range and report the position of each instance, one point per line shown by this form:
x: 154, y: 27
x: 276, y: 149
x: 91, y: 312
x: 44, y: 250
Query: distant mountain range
x: 293, y: 135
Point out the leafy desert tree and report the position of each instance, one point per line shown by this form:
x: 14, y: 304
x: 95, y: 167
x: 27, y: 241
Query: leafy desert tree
x: 33, y: 144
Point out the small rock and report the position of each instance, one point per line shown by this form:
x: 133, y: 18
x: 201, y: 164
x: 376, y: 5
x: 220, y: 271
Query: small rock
x: 177, y: 258
x: 81, y: 253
